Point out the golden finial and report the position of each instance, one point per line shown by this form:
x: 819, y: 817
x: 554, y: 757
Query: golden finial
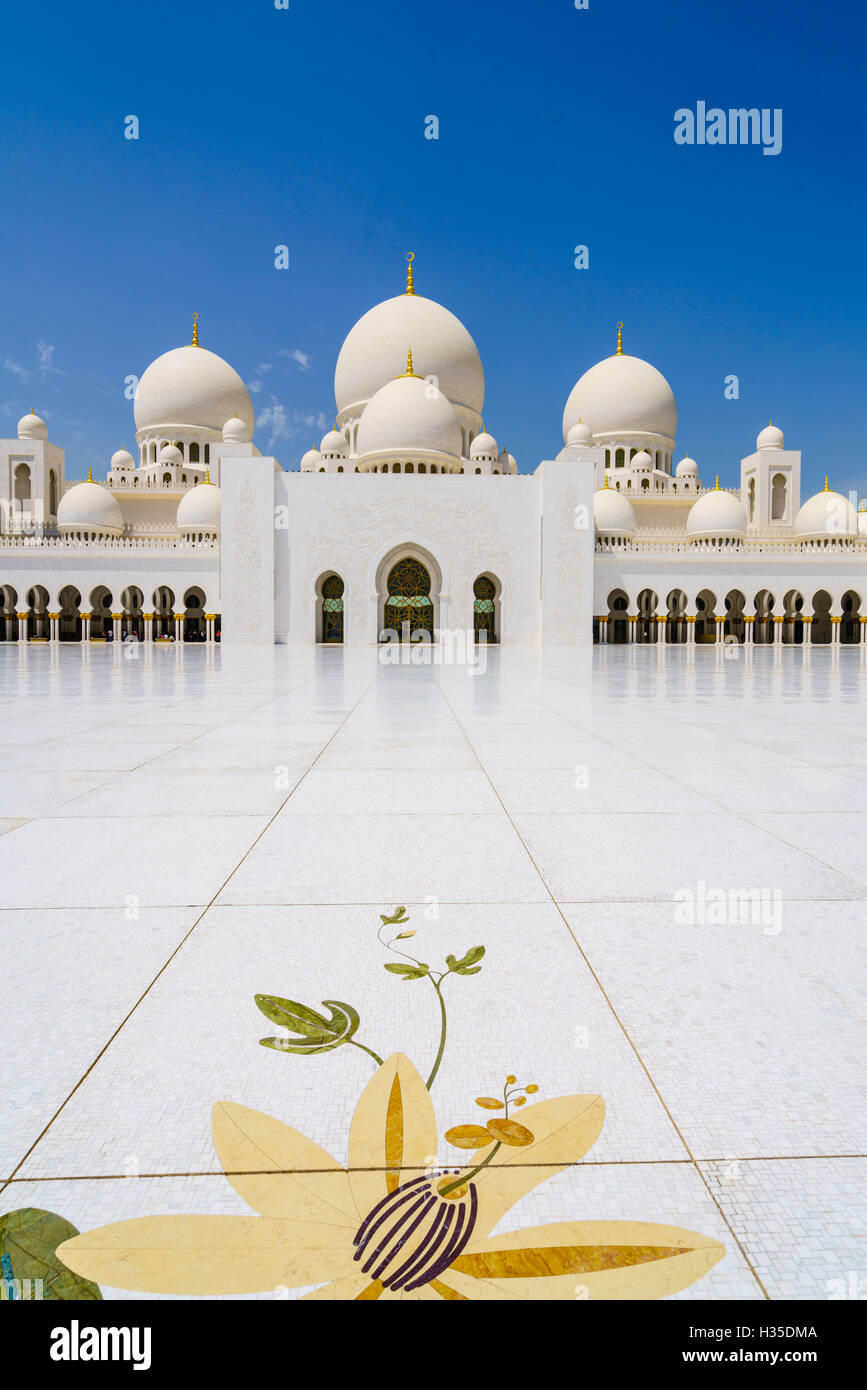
x: 195, y: 330
x: 410, y: 284
x: 90, y: 475
x: 409, y: 367
x: 605, y: 484
x: 863, y: 506
x: 207, y: 475
x: 620, y: 340
x: 827, y: 484
x: 716, y: 484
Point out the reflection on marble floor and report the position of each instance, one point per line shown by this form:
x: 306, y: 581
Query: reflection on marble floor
x: 662, y: 855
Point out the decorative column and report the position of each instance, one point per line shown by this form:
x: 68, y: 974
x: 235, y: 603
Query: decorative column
x: 808, y: 631
x: 835, y: 631
x: 689, y: 619
x: 148, y: 626
x: 778, y: 632
x: 660, y: 630
x: 633, y: 628
x: 85, y: 626
x: 749, y: 631
x: 210, y: 619
x: 179, y: 627
x: 116, y: 619
x: 719, y: 635
x: 54, y: 627
x: 23, y: 634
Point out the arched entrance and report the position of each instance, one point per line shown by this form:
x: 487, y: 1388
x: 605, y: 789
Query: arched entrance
x: 850, y: 622
x: 69, y: 627
x: 331, y: 609
x: 408, y: 604
x: 485, y: 610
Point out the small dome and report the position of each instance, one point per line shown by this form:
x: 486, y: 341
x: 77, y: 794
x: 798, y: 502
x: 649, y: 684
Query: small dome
x: 405, y: 414
x: 170, y: 454
x: 717, y: 515
x: 32, y: 426
x: 237, y: 431
x: 642, y: 462
x: 580, y: 434
x: 199, y: 509
x: 862, y: 521
x: 484, y: 446
x: 613, y: 513
x: 507, y: 462
x: 334, y: 445
x: 687, y: 468
x: 89, y: 507
x: 770, y: 438
x: 311, y: 461
x: 122, y: 459
x: 827, y: 516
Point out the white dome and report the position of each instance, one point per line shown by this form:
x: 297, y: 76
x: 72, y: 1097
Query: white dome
x: 484, y: 446
x: 170, y: 454
x: 642, y: 462
x: 622, y: 395
x: 862, y: 521
x: 770, y: 438
x: 826, y: 516
x: 32, y: 426
x: 508, y: 463
x: 89, y: 507
x: 191, y: 386
x: 199, y: 509
x: 334, y: 444
x: 580, y: 434
x: 717, y: 515
x: 122, y: 459
x: 237, y: 431
x: 687, y: 468
x: 613, y: 513
x: 377, y: 346
x: 311, y: 461
x: 407, y: 415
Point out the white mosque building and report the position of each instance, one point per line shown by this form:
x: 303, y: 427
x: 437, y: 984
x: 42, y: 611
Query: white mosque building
x: 410, y: 520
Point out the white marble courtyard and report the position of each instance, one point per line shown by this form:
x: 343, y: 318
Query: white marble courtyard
x: 181, y: 831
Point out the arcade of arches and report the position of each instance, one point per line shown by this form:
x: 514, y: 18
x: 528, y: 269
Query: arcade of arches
x: 101, y: 616
x: 408, y: 606
x: 792, y: 619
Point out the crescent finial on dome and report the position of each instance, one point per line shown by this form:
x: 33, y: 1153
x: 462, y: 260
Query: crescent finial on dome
x: 410, y: 283
x: 195, y: 330
x: 619, y: 340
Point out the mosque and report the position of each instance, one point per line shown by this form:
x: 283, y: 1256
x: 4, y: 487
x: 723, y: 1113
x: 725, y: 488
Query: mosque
x: 410, y: 520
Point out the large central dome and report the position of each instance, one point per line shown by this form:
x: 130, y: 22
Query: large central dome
x: 441, y: 347
x: 191, y: 386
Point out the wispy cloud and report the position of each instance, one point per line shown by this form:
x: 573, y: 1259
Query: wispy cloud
x: 9, y: 408
x: 283, y: 424
x: 45, y: 352
x: 303, y: 360
x: 16, y: 369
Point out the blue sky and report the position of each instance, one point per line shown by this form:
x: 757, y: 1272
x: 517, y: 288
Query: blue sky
x: 306, y: 127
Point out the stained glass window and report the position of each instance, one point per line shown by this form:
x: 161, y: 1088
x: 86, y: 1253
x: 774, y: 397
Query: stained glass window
x: 484, y: 608
x: 332, y: 609
x: 409, y: 601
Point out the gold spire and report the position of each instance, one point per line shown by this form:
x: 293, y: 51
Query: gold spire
x: 605, y: 484
x: 195, y: 330
x: 409, y: 369
x: 90, y: 475
x: 620, y: 340
x: 827, y: 487
x: 410, y: 284
x: 207, y: 475
x: 716, y: 484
